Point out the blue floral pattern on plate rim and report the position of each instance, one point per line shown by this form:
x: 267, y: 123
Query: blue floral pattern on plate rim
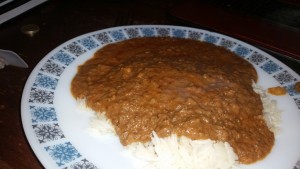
x: 39, y: 116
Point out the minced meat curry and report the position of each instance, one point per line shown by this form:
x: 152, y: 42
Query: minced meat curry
x: 176, y: 86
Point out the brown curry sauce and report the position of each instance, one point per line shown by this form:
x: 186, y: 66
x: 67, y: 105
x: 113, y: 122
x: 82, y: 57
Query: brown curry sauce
x: 180, y: 86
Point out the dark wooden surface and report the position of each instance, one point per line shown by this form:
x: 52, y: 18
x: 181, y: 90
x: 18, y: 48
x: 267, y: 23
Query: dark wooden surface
x: 260, y: 29
x: 60, y: 21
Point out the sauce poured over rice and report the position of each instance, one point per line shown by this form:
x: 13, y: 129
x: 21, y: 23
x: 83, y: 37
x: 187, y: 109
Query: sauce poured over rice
x: 176, y: 87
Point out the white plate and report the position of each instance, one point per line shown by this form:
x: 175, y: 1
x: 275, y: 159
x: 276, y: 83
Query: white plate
x: 57, y: 131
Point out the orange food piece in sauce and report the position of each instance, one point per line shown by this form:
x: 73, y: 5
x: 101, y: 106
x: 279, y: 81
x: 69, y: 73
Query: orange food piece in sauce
x: 297, y: 87
x: 278, y: 91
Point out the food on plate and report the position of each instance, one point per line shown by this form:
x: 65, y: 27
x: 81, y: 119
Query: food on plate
x: 277, y: 91
x: 160, y: 87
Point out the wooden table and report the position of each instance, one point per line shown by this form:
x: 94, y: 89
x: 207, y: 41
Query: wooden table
x: 60, y: 21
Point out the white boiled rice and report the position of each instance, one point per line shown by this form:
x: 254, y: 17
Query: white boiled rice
x: 272, y: 114
x: 181, y: 152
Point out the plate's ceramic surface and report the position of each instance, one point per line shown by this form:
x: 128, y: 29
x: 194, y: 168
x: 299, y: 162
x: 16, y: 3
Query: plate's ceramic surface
x: 56, y: 129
